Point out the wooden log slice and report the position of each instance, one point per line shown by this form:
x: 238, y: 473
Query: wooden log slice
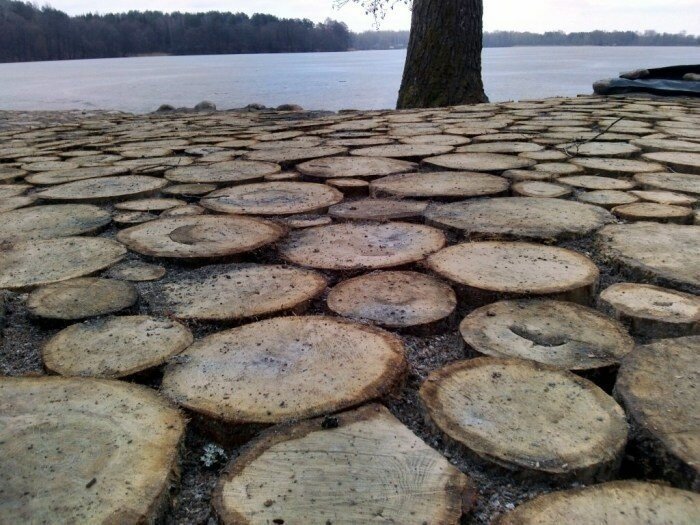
x: 143, y: 153
x: 378, y: 210
x: 499, y: 147
x: 115, y: 347
x: 156, y: 204
x: 307, y: 142
x: 284, y: 369
x: 479, y: 162
x: 608, y: 199
x: 558, y: 169
x: 657, y: 385
x: 519, y: 217
x: 593, y: 182
x: 63, y: 176
x: 156, y: 165
x: 528, y: 417
x: 653, y: 312
x: 437, y: 140
x: 393, y: 299
x: 81, y: 298
x: 652, y: 211
x: 8, y: 173
x: 130, y: 218
x: 518, y: 268
x: 678, y: 160
x: 669, y: 252
x: 85, y: 451
x: 619, y: 502
x: 285, y: 176
x: 48, y: 222
x: 13, y: 190
x: 360, y: 167
x: 182, y: 211
x: 200, y: 236
x: 49, y: 165
x: 232, y: 172
x: 665, y: 197
x: 521, y: 175
x: 104, y: 189
x: 189, y: 191
x: 360, y: 454
x: 546, y: 155
x: 46, y: 261
x: 560, y: 334
x: 15, y: 203
x: 359, y: 141
x: 612, y: 166
x: 354, y: 246
x: 273, y: 198
x: 290, y: 156
x: 448, y: 185
x: 137, y: 271
x: 350, y: 187
x: 402, y: 151
x: 683, y: 182
x: 238, y: 292
x: 666, y: 145
x: 535, y: 188
x: 600, y: 149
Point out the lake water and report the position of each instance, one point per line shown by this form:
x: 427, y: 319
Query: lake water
x: 362, y: 79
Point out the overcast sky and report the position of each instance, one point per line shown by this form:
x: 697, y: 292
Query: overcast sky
x: 518, y: 15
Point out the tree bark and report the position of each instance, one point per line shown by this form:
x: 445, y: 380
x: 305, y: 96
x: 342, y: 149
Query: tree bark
x: 443, y: 64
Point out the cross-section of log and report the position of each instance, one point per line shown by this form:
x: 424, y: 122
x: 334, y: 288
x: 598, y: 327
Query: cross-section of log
x: 593, y: 182
x: 665, y: 197
x: 608, y: 199
x: 229, y: 293
x: 46, y: 261
x: 189, y: 191
x: 150, y: 204
x: 104, y: 189
x: 393, y: 299
x: 378, y: 210
x: 137, y: 271
x: 402, y: 151
x: 81, y: 298
x: 63, y: 176
x: 657, y: 385
x: 365, y: 456
x: 528, y: 417
x: 612, y: 166
x: 520, y: 217
x: 115, y: 347
x: 273, y: 198
x: 354, y: 246
x: 536, y: 188
x: 653, y: 211
x: 48, y: 222
x: 290, y: 156
x: 666, y: 145
x: 343, y: 167
x: 13, y: 190
x: 480, y: 162
x: 200, y: 236
x: 668, y: 251
x: 678, y: 160
x: 443, y: 185
x: 683, y: 182
x: 500, y: 147
x: 14, y: 203
x: 232, y: 172
x: 518, y: 268
x: 287, y: 368
x: 652, y: 311
x: 85, y: 451
x: 600, y: 149
x: 561, y: 334
x: 618, y: 502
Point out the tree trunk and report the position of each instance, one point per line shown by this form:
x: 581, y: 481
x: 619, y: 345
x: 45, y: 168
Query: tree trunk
x: 443, y: 65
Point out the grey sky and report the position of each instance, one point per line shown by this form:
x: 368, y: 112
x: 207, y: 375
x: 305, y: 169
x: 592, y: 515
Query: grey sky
x: 519, y: 15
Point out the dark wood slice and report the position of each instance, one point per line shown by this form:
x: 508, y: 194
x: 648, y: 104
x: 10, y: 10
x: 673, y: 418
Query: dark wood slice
x: 520, y: 218
x: 285, y: 369
x: 683, y: 182
x: 104, y: 189
x: 358, y: 453
x: 479, y: 162
x: 657, y: 385
x: 232, y: 172
x: 200, y: 236
x: 378, y: 210
x: 653, y: 211
x: 560, y: 334
x: 52, y: 221
x: 361, y: 167
x: 445, y: 185
x: 95, y: 450
x: 273, y: 198
x: 355, y: 246
x: 528, y: 417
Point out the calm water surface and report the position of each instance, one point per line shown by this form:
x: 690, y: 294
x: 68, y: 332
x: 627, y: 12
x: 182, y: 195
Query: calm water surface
x: 363, y: 79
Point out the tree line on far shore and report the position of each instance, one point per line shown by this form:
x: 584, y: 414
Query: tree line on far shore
x: 29, y: 33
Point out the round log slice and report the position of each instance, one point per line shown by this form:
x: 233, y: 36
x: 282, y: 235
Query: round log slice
x: 666, y: 145
x: 13, y: 190
x: 46, y: 261
x: 564, y: 335
x: 618, y: 502
x: 500, y: 147
x: 137, y: 271
x: 378, y: 210
x: 600, y: 149
x: 608, y: 199
x: 15, y: 203
x: 683, y: 182
x: 283, y: 369
x: 353, y: 246
x: 64, y: 176
x: 104, y: 189
x: 678, y: 160
x: 593, y: 182
x: 558, y: 169
x: 528, y: 417
x: 665, y: 197
x: 115, y: 347
x: 612, y: 166
x: 667, y: 251
x: 232, y: 172
x: 149, y: 204
x: 447, y: 185
x: 343, y: 167
x: 402, y: 151
x: 653, y: 211
x: 273, y: 198
x: 288, y: 156
x: 518, y: 268
x: 48, y: 222
x: 657, y: 385
x: 81, y: 298
x: 520, y: 217
x: 358, y: 454
x: 241, y: 291
x: 393, y: 299
x: 535, y: 188
x: 189, y: 190
x: 479, y: 162
x: 129, y: 218
x: 85, y: 451
x: 200, y: 236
